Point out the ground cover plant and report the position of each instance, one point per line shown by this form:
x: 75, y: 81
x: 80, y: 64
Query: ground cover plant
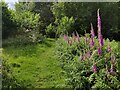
x: 89, y: 61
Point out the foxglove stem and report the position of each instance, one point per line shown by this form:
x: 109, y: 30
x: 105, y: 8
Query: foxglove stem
x: 69, y: 41
x: 92, y: 31
x: 109, y: 48
x: 94, y: 68
x: 107, y: 72
x: 112, y: 59
x: 80, y: 56
x: 78, y: 37
x: 92, y: 42
x: 99, y: 22
x: 99, y: 50
x: 84, y: 58
x: 100, y: 38
x: 86, y: 40
x: 65, y: 37
x: 88, y: 54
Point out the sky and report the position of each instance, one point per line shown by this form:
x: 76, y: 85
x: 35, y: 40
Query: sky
x: 11, y: 3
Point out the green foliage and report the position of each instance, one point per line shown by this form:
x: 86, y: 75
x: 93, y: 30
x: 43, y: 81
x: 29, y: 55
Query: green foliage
x: 33, y: 65
x: 65, y: 25
x: 80, y: 72
x: 8, y: 26
x: 8, y: 80
x: 28, y: 22
x: 50, y: 31
x: 83, y: 13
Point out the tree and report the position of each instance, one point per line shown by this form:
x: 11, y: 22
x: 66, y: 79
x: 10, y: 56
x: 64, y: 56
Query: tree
x: 8, y: 26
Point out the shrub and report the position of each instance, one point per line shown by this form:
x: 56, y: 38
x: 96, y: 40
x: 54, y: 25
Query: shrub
x: 88, y: 61
x: 50, y: 31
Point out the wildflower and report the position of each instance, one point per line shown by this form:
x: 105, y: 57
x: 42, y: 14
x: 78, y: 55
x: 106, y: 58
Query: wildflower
x: 80, y: 56
x: 109, y: 48
x: 92, y: 31
x: 100, y: 38
x: 107, y: 71
x: 84, y: 58
x: 69, y: 41
x: 88, y: 54
x: 94, y: 68
x: 65, y: 37
x: 99, y: 22
x: 112, y: 59
x: 91, y: 41
x: 99, y: 50
x: 78, y: 37
x: 86, y: 40
x: 112, y: 72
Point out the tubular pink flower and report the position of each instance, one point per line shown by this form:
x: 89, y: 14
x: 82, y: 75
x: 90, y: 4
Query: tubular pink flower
x: 92, y: 31
x: 69, y: 41
x: 65, y: 37
x: 92, y: 42
x: 78, y: 38
x: 109, y: 48
x: 86, y: 40
x: 107, y: 72
x: 99, y: 22
x: 84, y: 57
x: 99, y: 50
x: 94, y: 68
x: 88, y: 54
x: 100, y: 38
x: 112, y: 59
x: 80, y: 56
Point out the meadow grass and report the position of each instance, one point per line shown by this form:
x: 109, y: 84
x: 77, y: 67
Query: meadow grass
x: 35, y: 64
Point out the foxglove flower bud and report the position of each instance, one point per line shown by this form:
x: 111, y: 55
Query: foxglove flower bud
x: 78, y: 38
x: 100, y: 38
x: 88, y: 54
x: 99, y: 50
x: 65, y: 37
x: 92, y: 42
x: 92, y: 31
x: 99, y: 22
x: 80, y: 56
x: 109, y: 48
x: 107, y: 71
x: 94, y: 68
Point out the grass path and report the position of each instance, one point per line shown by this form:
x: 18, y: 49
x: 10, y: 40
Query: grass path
x: 35, y: 65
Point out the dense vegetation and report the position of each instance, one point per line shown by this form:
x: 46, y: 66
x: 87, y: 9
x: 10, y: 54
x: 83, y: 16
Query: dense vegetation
x: 61, y: 44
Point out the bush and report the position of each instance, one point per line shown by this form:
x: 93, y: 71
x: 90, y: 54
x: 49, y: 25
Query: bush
x: 50, y: 31
x: 65, y: 25
x: 88, y: 61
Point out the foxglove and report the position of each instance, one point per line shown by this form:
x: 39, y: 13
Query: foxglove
x: 88, y: 54
x: 84, y: 57
x: 65, y: 37
x: 94, y: 68
x: 100, y: 38
x: 112, y: 59
x: 109, y: 48
x: 91, y: 41
x: 99, y: 22
x: 107, y: 71
x: 80, y: 56
x: 78, y: 38
x: 99, y: 50
x: 92, y: 31
x: 69, y: 41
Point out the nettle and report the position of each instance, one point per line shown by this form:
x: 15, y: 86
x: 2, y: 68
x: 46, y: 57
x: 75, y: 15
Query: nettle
x: 89, y: 61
